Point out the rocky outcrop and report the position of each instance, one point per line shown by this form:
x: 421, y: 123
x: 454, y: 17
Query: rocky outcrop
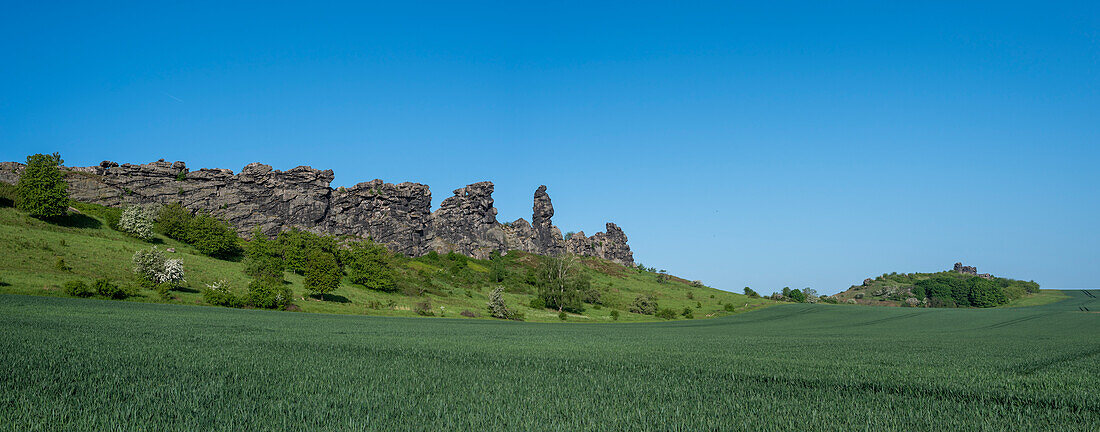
x: 397, y: 215
x: 467, y: 223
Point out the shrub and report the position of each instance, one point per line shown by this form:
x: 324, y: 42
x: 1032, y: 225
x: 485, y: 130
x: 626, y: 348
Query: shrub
x: 9, y: 194
x: 221, y: 294
x: 268, y: 294
x: 368, y: 264
x: 213, y: 237
x: 42, y: 190
x: 261, y: 258
x: 322, y: 273
x: 644, y: 305
x: 296, y: 246
x: 942, y: 302
x: 537, y: 303
x: 497, y: 306
x: 149, y: 263
x: 468, y: 313
x: 77, y: 288
x: 752, y: 294
x: 666, y: 313
x: 105, y: 288
x: 691, y: 295
x: 424, y: 308
x: 797, y: 296
x: 688, y: 313
x: 729, y: 307
x: 61, y: 265
x: 137, y: 221
x: 615, y: 314
x: 562, y: 316
x: 173, y: 221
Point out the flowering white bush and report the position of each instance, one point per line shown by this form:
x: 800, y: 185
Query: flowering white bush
x: 154, y: 267
x: 138, y: 221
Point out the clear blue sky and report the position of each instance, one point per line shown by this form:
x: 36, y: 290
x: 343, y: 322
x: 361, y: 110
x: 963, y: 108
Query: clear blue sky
x: 770, y: 145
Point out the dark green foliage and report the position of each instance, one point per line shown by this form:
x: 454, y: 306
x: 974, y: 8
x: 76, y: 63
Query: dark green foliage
x: 220, y: 294
x: 562, y: 316
x: 688, y: 313
x: 174, y: 222
x: 961, y: 291
x: 322, y: 273
x: 268, y: 294
x: 615, y: 314
x: 9, y: 194
x: 297, y: 246
x: 752, y: 294
x: 537, y: 303
x: 213, y: 237
x: 644, y: 305
x: 43, y: 192
x: 61, y: 265
x: 106, y: 288
x: 728, y: 307
x: 797, y: 296
x: 561, y: 283
x: 368, y: 264
x: 666, y: 313
x: 497, y: 269
x: 77, y: 288
x: 261, y: 258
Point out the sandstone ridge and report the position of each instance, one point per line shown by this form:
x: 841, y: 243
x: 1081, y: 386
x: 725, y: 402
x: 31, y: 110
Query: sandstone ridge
x: 397, y: 215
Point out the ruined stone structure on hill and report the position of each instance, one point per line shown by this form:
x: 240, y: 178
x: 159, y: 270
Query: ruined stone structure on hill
x: 396, y: 215
x: 971, y: 270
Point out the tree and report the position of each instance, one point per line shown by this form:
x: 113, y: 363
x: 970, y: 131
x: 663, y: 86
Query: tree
x: 43, y: 192
x: 173, y: 221
x: 296, y: 246
x: 797, y: 296
x: 260, y: 258
x: 810, y: 294
x: 497, y: 307
x: 749, y: 292
x: 368, y: 265
x: 137, y: 221
x: 322, y: 273
x: 213, y: 237
x: 497, y: 272
x: 561, y: 284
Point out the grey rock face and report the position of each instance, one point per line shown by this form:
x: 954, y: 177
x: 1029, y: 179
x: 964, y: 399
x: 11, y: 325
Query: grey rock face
x: 467, y: 223
x: 397, y: 215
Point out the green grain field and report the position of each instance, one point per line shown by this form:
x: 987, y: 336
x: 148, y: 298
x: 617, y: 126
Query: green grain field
x: 94, y: 365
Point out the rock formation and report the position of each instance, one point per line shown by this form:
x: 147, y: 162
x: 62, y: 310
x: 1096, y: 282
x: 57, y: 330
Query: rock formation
x: 396, y: 215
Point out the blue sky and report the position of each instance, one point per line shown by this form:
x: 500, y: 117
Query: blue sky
x: 769, y: 144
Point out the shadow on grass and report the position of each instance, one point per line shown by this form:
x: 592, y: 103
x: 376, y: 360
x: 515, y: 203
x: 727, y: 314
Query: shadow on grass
x: 331, y: 298
x: 186, y: 290
x: 75, y: 220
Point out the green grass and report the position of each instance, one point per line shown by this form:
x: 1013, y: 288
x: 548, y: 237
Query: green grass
x: 92, y: 250
x: 92, y: 365
x: 1043, y: 297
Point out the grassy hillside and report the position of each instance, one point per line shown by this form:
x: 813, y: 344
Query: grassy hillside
x: 41, y: 256
x: 90, y: 365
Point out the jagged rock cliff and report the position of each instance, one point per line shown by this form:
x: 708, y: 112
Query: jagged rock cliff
x: 397, y: 215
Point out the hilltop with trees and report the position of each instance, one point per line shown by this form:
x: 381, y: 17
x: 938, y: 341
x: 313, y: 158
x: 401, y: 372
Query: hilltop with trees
x: 959, y: 287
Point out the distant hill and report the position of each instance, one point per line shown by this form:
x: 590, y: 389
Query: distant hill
x: 962, y: 286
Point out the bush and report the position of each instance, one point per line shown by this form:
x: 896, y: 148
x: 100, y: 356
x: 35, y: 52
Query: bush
x: 728, y: 307
x: 942, y: 302
x: 149, y: 263
x: 137, y: 221
x: 424, y: 308
x: 688, y: 313
x: 173, y: 221
x: 497, y: 306
x: 797, y: 296
x: 42, y: 190
x: 61, y: 265
x: 752, y: 294
x: 562, y: 316
x: 666, y: 313
x: 537, y: 303
x: 261, y: 258
x: 296, y: 246
x: 615, y: 314
x: 213, y: 237
x: 221, y: 294
x: 268, y: 294
x: 368, y: 264
x: 644, y: 305
x: 9, y: 194
x: 468, y: 313
x: 78, y: 288
x: 105, y: 288
x: 322, y: 273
